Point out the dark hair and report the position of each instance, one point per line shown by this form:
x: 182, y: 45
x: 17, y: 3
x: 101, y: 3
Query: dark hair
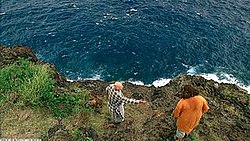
x: 189, y: 91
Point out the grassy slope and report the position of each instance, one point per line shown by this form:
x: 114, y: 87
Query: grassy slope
x: 32, y: 103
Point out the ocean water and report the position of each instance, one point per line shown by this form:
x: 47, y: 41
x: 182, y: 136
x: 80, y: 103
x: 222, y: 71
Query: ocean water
x: 146, y: 41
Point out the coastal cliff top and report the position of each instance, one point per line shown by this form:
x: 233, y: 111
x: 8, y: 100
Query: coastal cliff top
x: 227, y: 119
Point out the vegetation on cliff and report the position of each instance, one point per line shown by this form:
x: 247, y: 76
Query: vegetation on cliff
x: 37, y: 102
x: 30, y: 86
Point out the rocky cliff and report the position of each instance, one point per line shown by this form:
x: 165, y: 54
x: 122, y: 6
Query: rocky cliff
x: 228, y: 118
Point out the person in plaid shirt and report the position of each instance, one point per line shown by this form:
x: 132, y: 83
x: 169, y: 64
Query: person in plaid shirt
x: 117, y: 100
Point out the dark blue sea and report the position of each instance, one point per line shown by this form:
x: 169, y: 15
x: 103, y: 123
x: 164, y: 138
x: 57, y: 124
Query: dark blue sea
x: 134, y: 40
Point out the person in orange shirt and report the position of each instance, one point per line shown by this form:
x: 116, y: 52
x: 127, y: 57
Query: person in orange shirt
x: 188, y: 111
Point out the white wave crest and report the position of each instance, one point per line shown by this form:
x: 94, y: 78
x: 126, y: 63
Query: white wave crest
x: 225, y: 78
x: 3, y: 13
x: 136, y: 82
x: 157, y: 83
x: 95, y: 77
x: 220, y: 77
x: 192, y: 71
x: 161, y: 82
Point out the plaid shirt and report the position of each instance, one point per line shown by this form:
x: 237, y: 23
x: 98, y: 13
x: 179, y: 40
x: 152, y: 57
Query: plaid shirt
x: 116, y: 98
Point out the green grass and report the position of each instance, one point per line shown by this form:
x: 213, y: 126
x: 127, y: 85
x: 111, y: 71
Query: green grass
x: 65, y: 104
x: 13, y: 76
x: 29, y: 80
x: 29, y: 85
x: 40, y: 84
x: 34, y: 86
x: 194, y: 137
x: 78, y: 135
x: 2, y: 98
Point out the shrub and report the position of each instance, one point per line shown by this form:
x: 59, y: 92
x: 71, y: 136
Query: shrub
x: 34, y: 87
x: 13, y: 76
x: 40, y: 84
x: 29, y: 80
x: 65, y: 104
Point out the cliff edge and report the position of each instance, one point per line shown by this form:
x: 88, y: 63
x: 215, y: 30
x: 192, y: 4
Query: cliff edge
x: 227, y: 119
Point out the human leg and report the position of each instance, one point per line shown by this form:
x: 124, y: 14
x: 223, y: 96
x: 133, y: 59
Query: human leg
x: 180, y: 135
x: 119, y: 114
x: 115, y: 119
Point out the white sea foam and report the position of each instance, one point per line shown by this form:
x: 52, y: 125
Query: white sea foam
x: 225, y: 78
x: 2, y: 13
x: 247, y: 88
x: 157, y: 83
x: 95, y: 77
x: 70, y: 80
x: 218, y: 77
x: 161, y: 82
x: 192, y: 70
x: 136, y: 82
x: 133, y: 10
x: 184, y: 65
x: 221, y: 78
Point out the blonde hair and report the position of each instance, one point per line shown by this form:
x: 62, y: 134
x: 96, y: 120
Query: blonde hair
x: 118, y: 85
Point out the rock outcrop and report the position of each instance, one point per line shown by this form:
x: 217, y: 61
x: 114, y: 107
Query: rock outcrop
x: 10, y: 55
x: 228, y: 118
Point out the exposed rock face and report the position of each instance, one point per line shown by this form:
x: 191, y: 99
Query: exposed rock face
x: 9, y: 55
x: 228, y: 118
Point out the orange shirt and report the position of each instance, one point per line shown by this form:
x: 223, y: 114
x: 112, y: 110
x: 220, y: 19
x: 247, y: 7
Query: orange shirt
x: 189, y: 111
